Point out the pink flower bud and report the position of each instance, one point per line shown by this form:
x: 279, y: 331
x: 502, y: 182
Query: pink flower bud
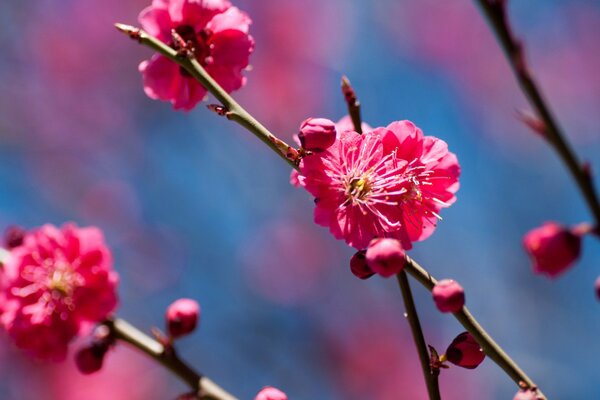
x: 317, y: 134
x: 385, y: 256
x: 182, y: 317
x: 465, y: 352
x: 526, y: 394
x: 13, y: 236
x: 597, y: 287
x: 270, y: 393
x: 89, y: 358
x: 553, y: 248
x: 448, y: 296
x: 359, y: 267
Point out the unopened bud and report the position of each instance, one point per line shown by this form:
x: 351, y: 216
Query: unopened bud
x: 465, y: 352
x: 270, y: 393
x: 182, y: 317
x: 553, y: 248
x: 317, y: 134
x: 448, y: 296
x: 385, y: 256
x: 359, y: 267
x: 89, y: 358
x: 13, y: 236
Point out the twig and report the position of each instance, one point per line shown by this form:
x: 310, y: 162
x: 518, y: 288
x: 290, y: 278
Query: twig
x: 431, y: 378
x: 205, y: 388
x: 353, y: 104
x: 466, y: 319
x: 496, y: 13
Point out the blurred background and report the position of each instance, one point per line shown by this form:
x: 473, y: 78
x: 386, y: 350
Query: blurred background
x: 194, y: 206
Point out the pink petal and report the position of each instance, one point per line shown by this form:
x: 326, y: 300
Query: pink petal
x: 157, y: 22
x: 233, y: 18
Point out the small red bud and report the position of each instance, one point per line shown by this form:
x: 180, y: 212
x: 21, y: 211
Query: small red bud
x: 13, y: 236
x: 448, y: 296
x: 385, y: 256
x: 182, y: 317
x: 465, y: 352
x: 270, y: 393
x: 89, y: 358
x: 359, y: 267
x: 553, y: 248
x: 317, y: 134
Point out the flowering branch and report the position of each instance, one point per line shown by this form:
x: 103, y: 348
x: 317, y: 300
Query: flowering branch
x: 431, y: 376
x: 205, y: 388
x: 466, y: 319
x: 233, y: 110
x: 496, y: 13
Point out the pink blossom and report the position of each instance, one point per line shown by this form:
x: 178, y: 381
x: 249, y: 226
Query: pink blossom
x: 222, y: 45
x: 553, y: 248
x: 526, y: 394
x: 57, y: 283
x: 270, y: 393
x: 388, y: 182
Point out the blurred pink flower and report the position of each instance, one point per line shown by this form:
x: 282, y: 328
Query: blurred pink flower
x: 54, y: 285
x: 270, y: 393
x: 219, y: 34
x: 388, y: 182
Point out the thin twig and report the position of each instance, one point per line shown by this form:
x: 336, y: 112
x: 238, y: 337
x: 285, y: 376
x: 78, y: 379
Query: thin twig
x: 466, y: 319
x: 431, y: 378
x: 353, y: 104
x: 496, y: 13
x: 205, y: 388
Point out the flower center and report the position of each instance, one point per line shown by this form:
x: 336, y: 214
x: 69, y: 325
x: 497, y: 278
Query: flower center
x: 358, y: 188
x: 199, y: 43
x: 62, y: 280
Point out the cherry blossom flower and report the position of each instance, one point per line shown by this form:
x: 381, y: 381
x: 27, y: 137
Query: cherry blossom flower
x: 222, y: 45
x: 388, y: 182
x: 54, y: 286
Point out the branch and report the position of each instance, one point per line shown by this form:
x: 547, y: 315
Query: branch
x: 353, y: 104
x: 203, y: 386
x: 431, y: 377
x: 237, y: 113
x: 234, y: 111
x: 495, y: 11
x: 466, y: 319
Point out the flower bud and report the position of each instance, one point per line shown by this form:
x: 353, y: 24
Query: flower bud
x: 465, y: 352
x: 359, y: 267
x: 270, y: 393
x: 385, y: 256
x: 448, y: 296
x: 13, y: 236
x: 597, y: 287
x: 553, y: 248
x: 317, y: 134
x: 89, y: 358
x: 526, y: 394
x: 182, y: 317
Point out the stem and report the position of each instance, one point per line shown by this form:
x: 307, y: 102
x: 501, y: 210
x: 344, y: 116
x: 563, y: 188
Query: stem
x: 353, y: 104
x: 495, y: 11
x: 235, y: 112
x: 203, y: 386
x: 431, y: 378
x: 466, y: 319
